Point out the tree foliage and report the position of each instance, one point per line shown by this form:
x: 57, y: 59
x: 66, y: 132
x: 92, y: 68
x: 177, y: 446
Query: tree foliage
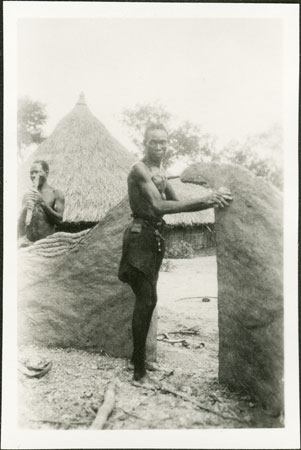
x: 31, y: 119
x: 260, y: 153
x: 186, y: 140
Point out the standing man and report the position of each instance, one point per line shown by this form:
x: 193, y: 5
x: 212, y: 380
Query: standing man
x: 42, y: 207
x: 150, y: 197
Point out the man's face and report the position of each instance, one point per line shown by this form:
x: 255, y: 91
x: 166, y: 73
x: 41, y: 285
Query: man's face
x: 156, y: 143
x: 37, y: 173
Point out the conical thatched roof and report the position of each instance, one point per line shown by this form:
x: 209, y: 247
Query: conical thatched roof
x: 86, y: 163
x: 189, y: 191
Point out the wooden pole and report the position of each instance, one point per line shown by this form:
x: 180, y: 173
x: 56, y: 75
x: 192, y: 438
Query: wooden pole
x: 106, y: 408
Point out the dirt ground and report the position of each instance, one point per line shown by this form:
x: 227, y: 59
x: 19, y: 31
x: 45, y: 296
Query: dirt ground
x: 190, y: 396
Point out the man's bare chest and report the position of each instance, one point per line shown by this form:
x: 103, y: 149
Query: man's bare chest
x: 49, y: 197
x: 159, y: 179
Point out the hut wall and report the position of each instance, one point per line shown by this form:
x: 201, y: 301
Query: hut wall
x: 75, y: 227
x: 199, y: 237
x: 249, y: 250
x: 84, y: 305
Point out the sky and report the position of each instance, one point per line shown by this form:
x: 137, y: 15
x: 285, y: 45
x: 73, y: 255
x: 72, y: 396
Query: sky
x: 223, y: 74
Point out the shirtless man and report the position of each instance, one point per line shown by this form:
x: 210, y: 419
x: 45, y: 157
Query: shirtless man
x: 150, y: 197
x: 47, y: 206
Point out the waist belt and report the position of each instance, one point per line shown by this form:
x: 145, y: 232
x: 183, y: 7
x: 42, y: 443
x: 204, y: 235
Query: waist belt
x: 156, y: 223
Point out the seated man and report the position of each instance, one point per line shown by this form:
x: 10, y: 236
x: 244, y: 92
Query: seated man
x: 42, y: 207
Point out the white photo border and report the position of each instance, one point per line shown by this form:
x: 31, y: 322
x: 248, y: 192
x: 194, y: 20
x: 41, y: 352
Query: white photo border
x: 289, y: 436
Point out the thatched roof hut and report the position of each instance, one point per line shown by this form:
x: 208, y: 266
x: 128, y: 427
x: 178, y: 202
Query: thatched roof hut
x: 189, y: 233
x: 86, y: 163
x: 189, y: 191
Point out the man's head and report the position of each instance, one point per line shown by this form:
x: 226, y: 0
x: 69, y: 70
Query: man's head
x: 155, y: 141
x: 39, y: 171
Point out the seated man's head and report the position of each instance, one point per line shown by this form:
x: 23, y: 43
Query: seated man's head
x: 39, y: 172
x: 155, y: 141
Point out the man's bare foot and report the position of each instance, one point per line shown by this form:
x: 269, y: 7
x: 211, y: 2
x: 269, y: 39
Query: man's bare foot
x: 151, y: 366
x: 146, y: 382
x: 129, y: 365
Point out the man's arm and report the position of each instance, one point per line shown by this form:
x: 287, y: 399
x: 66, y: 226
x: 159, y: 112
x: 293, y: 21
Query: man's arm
x: 55, y: 213
x: 170, y: 193
x: 142, y: 177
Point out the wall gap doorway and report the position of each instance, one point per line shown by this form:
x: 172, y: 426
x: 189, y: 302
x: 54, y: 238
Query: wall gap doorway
x: 187, y: 301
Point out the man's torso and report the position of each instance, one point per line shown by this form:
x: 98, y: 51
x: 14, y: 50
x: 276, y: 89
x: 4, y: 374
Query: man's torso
x: 140, y: 205
x: 41, y: 225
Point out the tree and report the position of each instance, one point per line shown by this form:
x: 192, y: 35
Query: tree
x: 31, y: 118
x: 137, y: 119
x: 186, y: 139
x: 260, y: 153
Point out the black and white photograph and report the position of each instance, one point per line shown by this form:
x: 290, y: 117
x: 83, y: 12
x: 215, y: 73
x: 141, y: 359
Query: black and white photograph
x: 150, y: 225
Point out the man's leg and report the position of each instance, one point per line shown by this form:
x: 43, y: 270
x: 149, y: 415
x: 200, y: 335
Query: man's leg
x: 146, y: 299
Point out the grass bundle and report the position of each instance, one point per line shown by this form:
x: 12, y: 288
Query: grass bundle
x: 189, y: 191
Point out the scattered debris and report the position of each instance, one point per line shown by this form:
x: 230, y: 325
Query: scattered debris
x: 128, y: 413
x: 186, y: 344
x: 62, y: 399
x: 121, y: 416
x: 35, y: 363
x: 204, y: 299
x: 165, y: 335
x: 35, y: 372
x: 201, y: 345
x: 174, y: 341
x: 189, y: 331
x: 169, y: 390
x: 74, y: 402
x: 167, y: 374
x: 87, y: 394
x: 187, y: 390
x: 60, y: 422
x: 214, y: 398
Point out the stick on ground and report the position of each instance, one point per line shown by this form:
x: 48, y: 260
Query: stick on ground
x: 169, y: 390
x: 172, y: 341
x: 188, y: 332
x: 105, y: 409
x: 60, y: 422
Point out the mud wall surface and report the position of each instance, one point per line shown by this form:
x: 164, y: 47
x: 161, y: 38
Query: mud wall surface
x: 250, y: 287
x: 69, y: 294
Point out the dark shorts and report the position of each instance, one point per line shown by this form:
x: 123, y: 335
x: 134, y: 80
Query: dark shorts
x: 143, y: 248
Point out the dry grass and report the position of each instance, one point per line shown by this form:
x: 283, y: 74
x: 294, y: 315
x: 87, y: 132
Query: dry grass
x: 57, y: 244
x: 189, y: 191
x: 90, y: 167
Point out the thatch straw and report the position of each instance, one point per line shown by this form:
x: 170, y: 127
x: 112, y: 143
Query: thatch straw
x: 86, y: 163
x: 186, y: 191
x: 57, y: 244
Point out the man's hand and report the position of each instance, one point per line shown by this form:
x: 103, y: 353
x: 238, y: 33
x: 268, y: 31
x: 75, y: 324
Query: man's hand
x: 33, y: 197
x: 30, y: 204
x: 220, y: 198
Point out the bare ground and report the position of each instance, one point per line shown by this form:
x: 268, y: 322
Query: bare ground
x: 69, y: 396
